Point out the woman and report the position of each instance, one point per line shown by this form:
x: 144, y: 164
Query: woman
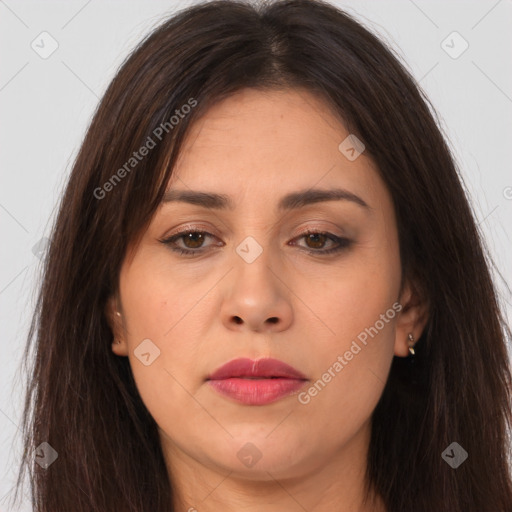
x: 265, y: 288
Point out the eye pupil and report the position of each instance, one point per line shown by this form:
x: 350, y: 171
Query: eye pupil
x: 313, y: 237
x: 191, y: 237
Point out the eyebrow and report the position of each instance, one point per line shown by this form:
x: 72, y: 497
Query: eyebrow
x: 292, y: 201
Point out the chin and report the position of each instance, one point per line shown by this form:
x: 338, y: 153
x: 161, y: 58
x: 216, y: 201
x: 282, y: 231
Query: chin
x: 257, y: 457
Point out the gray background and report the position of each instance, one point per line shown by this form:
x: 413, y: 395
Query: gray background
x: 46, y: 105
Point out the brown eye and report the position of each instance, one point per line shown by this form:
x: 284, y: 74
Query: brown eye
x: 193, y: 240
x: 316, y: 240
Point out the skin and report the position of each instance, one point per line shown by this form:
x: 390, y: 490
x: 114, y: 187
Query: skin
x: 203, y: 311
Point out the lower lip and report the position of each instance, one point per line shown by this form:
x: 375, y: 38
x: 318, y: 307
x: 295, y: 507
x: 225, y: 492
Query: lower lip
x: 256, y: 391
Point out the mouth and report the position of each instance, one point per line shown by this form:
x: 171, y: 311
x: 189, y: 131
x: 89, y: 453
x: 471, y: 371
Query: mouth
x: 257, y: 382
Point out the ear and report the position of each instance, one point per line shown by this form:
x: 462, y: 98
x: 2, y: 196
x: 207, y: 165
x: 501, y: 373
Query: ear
x: 116, y: 322
x: 412, y: 319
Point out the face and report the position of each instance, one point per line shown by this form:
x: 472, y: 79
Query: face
x: 238, y: 276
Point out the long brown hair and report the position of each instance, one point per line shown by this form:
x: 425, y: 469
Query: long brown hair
x: 82, y: 399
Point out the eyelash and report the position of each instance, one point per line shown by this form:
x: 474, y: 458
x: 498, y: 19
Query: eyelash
x: 343, y: 243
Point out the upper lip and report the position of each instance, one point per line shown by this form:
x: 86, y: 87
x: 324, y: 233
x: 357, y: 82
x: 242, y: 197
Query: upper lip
x: 263, y: 368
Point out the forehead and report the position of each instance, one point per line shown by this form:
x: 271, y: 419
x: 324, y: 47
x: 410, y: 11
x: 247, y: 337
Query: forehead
x: 267, y: 143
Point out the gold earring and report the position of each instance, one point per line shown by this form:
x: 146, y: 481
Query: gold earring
x: 117, y: 313
x: 411, y: 343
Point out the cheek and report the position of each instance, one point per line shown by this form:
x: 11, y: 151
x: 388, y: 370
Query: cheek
x: 162, y: 301
x: 162, y: 348
x: 355, y: 348
x: 351, y: 368
x: 353, y: 296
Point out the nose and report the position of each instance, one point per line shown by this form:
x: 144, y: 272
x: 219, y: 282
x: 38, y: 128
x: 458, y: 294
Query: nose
x: 256, y: 299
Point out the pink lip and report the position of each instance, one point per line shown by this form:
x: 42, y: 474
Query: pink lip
x: 256, y: 382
